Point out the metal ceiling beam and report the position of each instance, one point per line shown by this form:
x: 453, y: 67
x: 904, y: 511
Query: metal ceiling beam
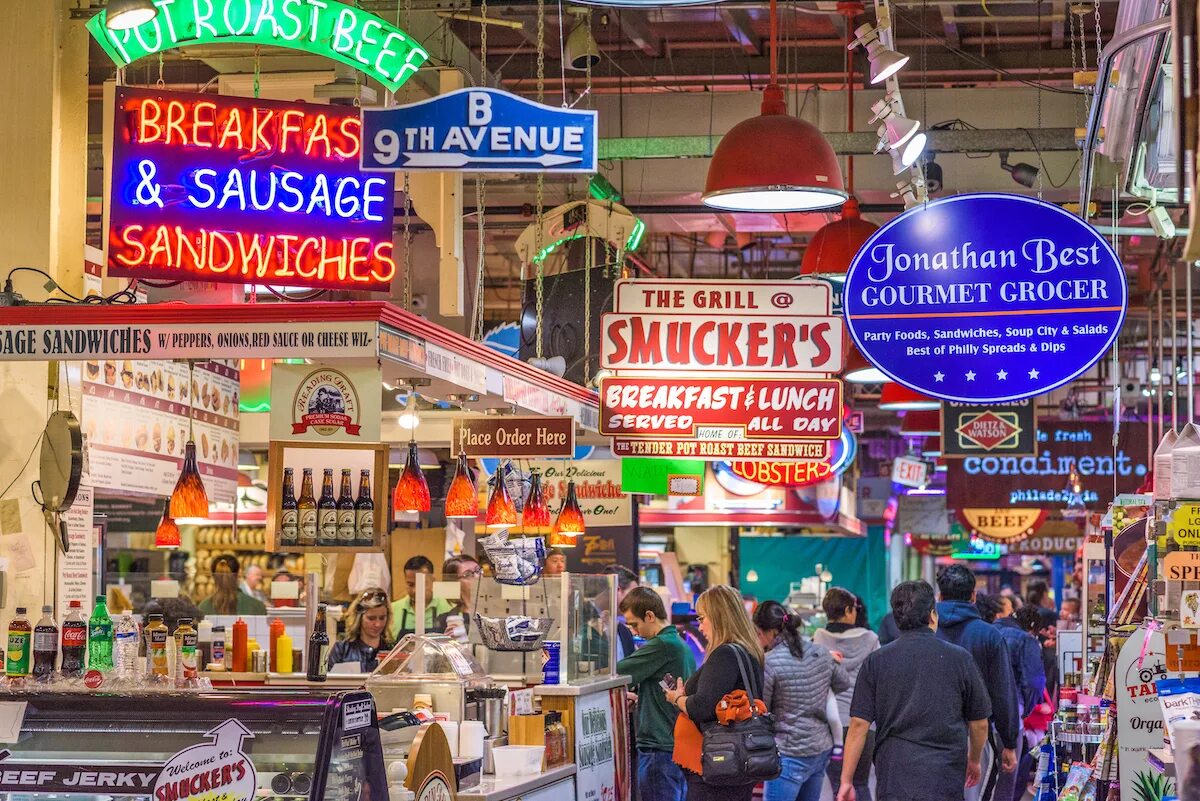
x: 634, y: 25
x: 737, y: 23
x: 1014, y: 140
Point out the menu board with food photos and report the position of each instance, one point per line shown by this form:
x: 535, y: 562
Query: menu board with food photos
x: 136, y: 419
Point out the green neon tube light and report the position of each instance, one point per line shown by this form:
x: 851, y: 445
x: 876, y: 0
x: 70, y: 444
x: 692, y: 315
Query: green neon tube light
x: 324, y: 27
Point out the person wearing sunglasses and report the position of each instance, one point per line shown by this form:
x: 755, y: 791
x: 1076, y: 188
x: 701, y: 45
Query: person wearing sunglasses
x: 368, y: 621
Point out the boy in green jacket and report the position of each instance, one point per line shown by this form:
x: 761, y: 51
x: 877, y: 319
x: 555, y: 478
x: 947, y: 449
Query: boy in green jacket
x: 664, y: 652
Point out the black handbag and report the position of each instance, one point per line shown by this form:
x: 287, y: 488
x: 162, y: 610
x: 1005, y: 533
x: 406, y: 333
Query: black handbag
x: 743, y: 752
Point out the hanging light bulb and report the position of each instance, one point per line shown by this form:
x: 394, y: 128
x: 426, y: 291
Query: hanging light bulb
x: 167, y: 536
x: 535, y: 514
x: 570, y: 524
x: 412, y: 490
x: 409, y: 419
x: 501, y: 512
x: 189, y: 500
x: 462, y: 501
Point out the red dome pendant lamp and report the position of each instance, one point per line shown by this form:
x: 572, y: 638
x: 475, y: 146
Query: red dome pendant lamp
x: 774, y: 162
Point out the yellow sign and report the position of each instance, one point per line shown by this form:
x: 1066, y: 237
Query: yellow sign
x: 1001, y: 525
x: 1184, y: 526
x: 1182, y: 566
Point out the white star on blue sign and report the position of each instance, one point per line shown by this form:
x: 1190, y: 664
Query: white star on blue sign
x: 939, y: 375
x: 1033, y: 373
x: 1002, y: 374
x: 970, y: 375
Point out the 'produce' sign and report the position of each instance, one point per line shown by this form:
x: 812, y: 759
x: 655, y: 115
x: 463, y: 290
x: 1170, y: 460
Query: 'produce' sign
x: 985, y: 298
x: 237, y: 190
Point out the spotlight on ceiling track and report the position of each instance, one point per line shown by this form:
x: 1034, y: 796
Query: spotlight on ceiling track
x: 1024, y: 174
x: 884, y: 61
x: 582, y: 50
x: 123, y: 15
x: 933, y: 174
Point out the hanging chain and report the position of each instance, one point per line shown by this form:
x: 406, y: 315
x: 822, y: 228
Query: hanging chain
x: 1099, y: 45
x: 257, y: 71
x: 587, y: 20
x: 588, y: 260
x: 407, y: 245
x: 1039, y: 92
x: 483, y: 33
x: 480, y: 192
x: 538, y: 257
x: 162, y: 83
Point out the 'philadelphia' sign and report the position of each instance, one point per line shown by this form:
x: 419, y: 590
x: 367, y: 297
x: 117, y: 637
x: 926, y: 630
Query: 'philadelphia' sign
x: 985, y: 298
x: 479, y: 130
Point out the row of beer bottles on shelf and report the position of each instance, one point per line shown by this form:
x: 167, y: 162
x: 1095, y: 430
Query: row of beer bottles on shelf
x: 327, y: 521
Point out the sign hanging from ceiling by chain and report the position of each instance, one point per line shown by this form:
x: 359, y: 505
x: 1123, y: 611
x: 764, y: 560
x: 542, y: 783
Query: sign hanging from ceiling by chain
x: 327, y: 28
x: 236, y: 190
x: 985, y: 298
x: 479, y: 130
x: 1008, y: 429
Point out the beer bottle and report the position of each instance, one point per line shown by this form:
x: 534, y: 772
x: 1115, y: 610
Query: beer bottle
x: 345, y: 512
x: 318, y: 648
x: 327, y: 512
x: 364, y: 512
x: 307, y: 508
x: 289, y: 512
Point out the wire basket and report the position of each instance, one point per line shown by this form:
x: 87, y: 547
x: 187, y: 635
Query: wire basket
x: 513, y: 633
x: 517, y: 562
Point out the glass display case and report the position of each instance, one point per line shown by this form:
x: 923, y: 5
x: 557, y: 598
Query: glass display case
x: 177, y: 747
x: 589, y: 651
x: 430, y: 664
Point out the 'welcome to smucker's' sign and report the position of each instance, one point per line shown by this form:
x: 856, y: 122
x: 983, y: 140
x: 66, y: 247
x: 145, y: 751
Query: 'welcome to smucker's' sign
x: 985, y: 298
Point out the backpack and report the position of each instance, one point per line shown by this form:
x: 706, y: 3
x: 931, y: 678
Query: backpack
x: 742, y: 752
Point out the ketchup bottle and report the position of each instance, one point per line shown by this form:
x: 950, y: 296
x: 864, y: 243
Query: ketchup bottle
x: 277, y: 629
x: 241, y: 653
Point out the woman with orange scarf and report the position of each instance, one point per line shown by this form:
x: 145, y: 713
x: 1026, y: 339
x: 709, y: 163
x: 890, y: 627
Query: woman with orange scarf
x: 726, y: 625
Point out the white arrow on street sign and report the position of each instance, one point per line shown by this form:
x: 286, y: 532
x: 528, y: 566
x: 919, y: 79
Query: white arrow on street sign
x: 450, y: 161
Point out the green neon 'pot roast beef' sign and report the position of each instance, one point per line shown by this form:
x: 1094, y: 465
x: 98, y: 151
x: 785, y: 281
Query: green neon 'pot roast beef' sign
x: 325, y: 27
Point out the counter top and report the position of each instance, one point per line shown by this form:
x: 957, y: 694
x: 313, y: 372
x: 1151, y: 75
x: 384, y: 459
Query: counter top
x: 492, y: 789
x: 600, y: 686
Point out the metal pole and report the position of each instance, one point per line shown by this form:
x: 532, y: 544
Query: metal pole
x: 1174, y: 350
x: 1190, y: 356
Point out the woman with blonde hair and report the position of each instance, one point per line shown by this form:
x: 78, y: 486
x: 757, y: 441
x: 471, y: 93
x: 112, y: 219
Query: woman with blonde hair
x: 368, y: 621
x: 726, y: 625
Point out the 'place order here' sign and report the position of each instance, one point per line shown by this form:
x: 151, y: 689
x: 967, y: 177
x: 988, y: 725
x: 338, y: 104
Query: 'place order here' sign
x: 227, y: 189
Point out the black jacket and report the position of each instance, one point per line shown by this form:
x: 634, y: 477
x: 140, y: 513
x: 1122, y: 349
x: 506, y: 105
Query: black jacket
x: 959, y: 623
x: 357, y: 651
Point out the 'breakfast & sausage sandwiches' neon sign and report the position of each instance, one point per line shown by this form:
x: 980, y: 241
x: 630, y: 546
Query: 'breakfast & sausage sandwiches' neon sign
x: 215, y: 188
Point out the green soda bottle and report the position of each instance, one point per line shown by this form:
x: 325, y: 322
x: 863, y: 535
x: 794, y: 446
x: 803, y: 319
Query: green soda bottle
x: 100, y: 638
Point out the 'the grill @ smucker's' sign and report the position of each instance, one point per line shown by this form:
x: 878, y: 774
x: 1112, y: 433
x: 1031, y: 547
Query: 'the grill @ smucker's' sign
x: 985, y: 298
x: 237, y: 190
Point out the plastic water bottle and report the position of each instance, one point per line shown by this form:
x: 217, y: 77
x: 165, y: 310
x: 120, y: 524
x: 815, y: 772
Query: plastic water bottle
x: 125, y: 655
x: 100, y: 638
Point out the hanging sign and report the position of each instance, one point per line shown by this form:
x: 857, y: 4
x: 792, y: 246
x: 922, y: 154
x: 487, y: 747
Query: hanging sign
x: 217, y: 769
x: 970, y: 429
x: 597, y: 486
x: 719, y: 450
x: 908, y: 471
x: 799, y: 474
x: 1001, y: 525
x: 1184, y: 524
x: 319, y: 403
x: 511, y: 437
x: 1040, y: 481
x: 662, y: 476
x: 985, y: 298
x: 923, y: 514
x: 327, y: 28
x: 479, y: 130
x: 237, y: 190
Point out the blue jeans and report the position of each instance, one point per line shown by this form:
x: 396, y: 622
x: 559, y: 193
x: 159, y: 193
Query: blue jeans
x: 658, y: 778
x: 800, y: 780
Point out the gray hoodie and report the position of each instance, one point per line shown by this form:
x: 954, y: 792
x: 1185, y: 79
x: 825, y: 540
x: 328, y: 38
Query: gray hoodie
x: 854, y: 645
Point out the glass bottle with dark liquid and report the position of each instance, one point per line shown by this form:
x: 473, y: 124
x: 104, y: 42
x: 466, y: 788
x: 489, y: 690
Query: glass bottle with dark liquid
x: 364, y: 512
x: 289, y: 512
x: 307, y: 506
x: 327, y: 512
x: 345, y: 512
x: 318, y: 648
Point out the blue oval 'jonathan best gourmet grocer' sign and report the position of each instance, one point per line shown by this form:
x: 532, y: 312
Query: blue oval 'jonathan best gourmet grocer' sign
x: 985, y: 298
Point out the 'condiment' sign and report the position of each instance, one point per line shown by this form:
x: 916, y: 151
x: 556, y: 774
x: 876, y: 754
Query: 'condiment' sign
x: 985, y: 298
x: 237, y: 190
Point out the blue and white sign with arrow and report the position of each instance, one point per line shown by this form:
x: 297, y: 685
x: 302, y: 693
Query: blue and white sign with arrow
x: 985, y: 298
x: 479, y: 130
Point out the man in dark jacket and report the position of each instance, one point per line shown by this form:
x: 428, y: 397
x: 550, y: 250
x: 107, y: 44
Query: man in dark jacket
x: 1025, y: 652
x: 959, y: 623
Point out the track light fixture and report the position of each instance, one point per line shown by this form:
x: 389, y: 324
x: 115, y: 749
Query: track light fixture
x: 933, y: 174
x: 123, y: 15
x: 1024, y: 174
x: 884, y: 61
x: 906, y: 191
x: 582, y: 50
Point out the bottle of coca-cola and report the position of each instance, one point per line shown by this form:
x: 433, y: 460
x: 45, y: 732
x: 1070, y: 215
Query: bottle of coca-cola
x: 74, y: 641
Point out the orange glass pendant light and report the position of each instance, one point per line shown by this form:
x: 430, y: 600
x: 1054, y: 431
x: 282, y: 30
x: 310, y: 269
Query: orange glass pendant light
x: 535, y: 515
x: 167, y: 534
x: 189, y: 498
x: 501, y: 511
x: 412, y: 490
x: 570, y: 524
x: 462, y: 501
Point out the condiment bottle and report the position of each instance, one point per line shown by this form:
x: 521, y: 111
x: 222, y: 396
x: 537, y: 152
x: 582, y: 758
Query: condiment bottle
x: 241, y: 653
x: 283, y: 656
x: 220, y: 656
x: 277, y: 629
x: 204, y: 637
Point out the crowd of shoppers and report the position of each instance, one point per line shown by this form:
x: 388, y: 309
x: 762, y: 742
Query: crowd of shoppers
x: 946, y: 703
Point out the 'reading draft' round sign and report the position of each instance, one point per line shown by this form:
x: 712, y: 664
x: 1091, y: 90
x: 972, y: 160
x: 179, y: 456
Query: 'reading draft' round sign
x: 985, y: 298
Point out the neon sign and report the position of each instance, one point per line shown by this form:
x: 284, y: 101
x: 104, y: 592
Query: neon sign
x: 235, y: 190
x: 324, y: 27
x: 756, y: 475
